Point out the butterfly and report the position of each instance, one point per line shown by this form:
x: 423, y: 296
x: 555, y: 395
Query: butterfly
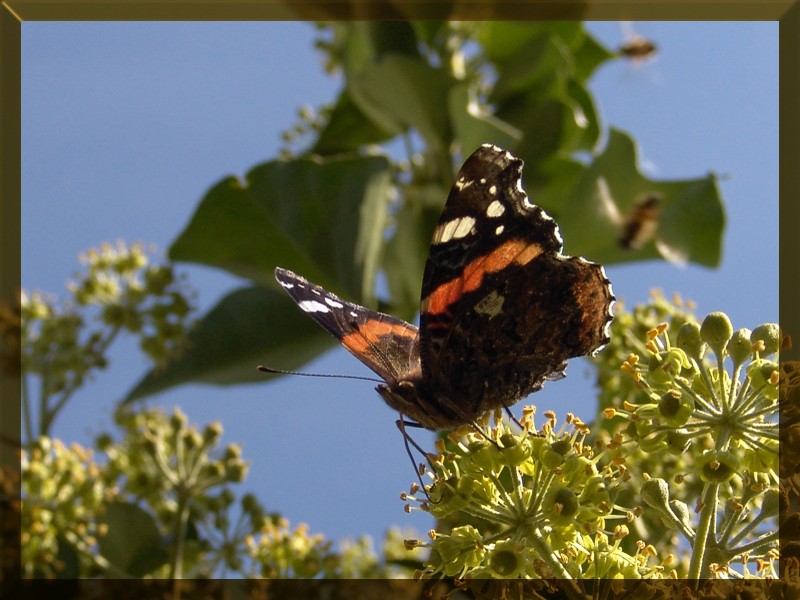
x: 501, y: 310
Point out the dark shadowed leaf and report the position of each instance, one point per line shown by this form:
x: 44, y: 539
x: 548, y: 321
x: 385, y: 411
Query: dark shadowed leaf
x: 249, y: 327
x: 132, y: 542
x: 348, y: 129
x: 399, y: 92
x: 473, y: 127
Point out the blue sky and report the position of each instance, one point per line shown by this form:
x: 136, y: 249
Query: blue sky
x: 126, y: 126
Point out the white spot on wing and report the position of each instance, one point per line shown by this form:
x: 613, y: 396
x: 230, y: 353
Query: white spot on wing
x: 495, y: 209
x: 313, y: 306
x: 286, y: 285
x: 455, y: 229
x: 499, y: 229
x: 333, y: 303
x: 464, y: 227
x: 462, y: 183
x: 493, y: 189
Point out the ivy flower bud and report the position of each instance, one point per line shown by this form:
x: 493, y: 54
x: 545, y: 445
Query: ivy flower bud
x: 740, y: 346
x: 507, y: 561
x: 461, y: 549
x: 761, y: 374
x: 655, y: 493
x: 769, y: 504
x: 681, y: 512
x: 552, y: 455
x: 212, y: 433
x: 678, y: 440
x: 675, y: 409
x: 770, y: 334
x: 689, y: 340
x: 561, y: 504
x: 716, y: 330
x: 515, y: 450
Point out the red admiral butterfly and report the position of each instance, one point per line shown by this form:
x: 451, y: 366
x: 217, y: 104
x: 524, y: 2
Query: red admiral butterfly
x: 502, y: 309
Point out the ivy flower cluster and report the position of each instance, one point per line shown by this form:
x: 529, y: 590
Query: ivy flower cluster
x: 527, y: 505
x: 63, y: 496
x: 707, y: 396
x: 125, y: 292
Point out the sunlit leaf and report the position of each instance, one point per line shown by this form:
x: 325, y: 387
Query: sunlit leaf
x: 688, y: 228
x: 323, y: 218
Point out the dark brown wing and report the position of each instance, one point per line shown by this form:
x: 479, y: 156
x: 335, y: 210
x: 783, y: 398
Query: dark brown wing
x: 501, y: 308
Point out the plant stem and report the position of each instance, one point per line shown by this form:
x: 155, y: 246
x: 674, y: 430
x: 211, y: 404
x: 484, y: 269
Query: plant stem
x: 547, y: 555
x: 182, y: 517
x: 698, y: 565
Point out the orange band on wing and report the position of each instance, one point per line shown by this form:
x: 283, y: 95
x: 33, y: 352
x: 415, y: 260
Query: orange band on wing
x: 516, y: 251
x: 370, y: 333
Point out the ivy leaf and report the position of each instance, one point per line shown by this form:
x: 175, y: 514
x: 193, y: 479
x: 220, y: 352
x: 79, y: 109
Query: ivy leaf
x: 249, y: 327
x: 348, y: 129
x: 132, y: 542
x: 399, y: 92
x: 689, y: 223
x: 323, y: 218
x: 473, y: 127
x: 407, y: 250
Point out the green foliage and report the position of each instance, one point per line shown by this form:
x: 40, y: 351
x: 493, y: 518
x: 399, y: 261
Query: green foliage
x: 339, y: 209
x: 691, y: 420
x: 522, y: 505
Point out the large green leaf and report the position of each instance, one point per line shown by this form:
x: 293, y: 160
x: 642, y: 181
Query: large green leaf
x: 132, y: 542
x: 550, y: 182
x: 399, y: 93
x: 407, y: 250
x: 348, y: 129
x: 538, y: 93
x: 250, y: 326
x: 473, y: 126
x: 510, y: 41
x: 323, y: 218
x: 690, y: 225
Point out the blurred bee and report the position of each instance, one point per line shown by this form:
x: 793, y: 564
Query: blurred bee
x: 636, y: 47
x: 640, y: 225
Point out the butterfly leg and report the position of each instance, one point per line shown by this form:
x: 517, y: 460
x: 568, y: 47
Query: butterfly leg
x: 408, y: 441
x: 513, y: 418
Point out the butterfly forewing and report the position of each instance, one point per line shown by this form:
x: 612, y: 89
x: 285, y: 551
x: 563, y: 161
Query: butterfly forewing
x: 501, y: 308
x: 387, y: 345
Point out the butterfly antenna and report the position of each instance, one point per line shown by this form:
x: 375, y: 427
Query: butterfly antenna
x: 264, y: 369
